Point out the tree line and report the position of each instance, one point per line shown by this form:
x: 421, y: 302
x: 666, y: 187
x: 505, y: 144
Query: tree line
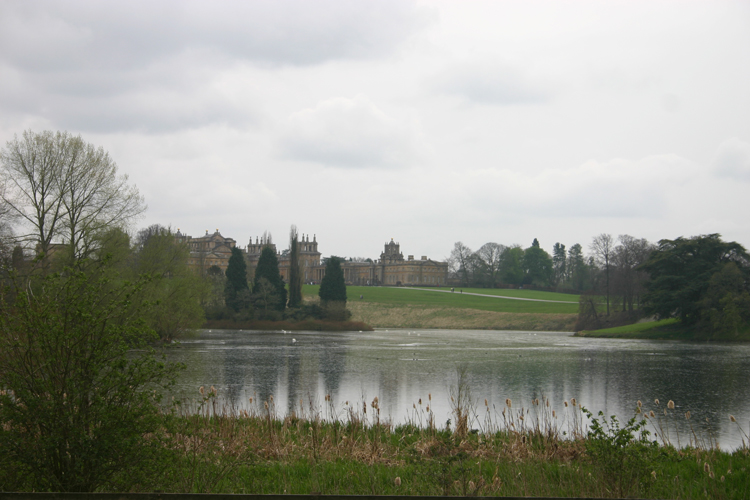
x: 702, y: 281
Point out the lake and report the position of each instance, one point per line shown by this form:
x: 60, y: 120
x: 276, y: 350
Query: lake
x: 400, y: 367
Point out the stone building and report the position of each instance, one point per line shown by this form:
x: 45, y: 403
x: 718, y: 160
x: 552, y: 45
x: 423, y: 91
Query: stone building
x: 390, y: 269
x: 208, y: 250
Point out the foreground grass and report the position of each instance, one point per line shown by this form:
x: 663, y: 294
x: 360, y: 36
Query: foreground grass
x: 515, y: 452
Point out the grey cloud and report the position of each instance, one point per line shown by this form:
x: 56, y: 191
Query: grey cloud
x: 491, y: 84
x: 733, y: 160
x: 54, y: 36
x: 349, y: 133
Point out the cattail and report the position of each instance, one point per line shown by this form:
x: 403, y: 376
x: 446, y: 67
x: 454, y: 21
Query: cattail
x: 639, y: 403
x: 706, y: 467
x: 656, y: 402
x: 651, y: 414
x: 547, y: 402
x: 665, y: 412
x: 573, y: 401
x: 711, y: 474
x: 485, y: 402
x: 271, y: 398
x: 420, y: 401
x: 722, y: 479
x: 429, y: 396
x: 687, y: 415
x: 265, y: 404
x: 670, y: 405
x: 553, y: 414
x: 397, y: 481
x: 472, y: 486
x: 428, y: 408
x: 202, y: 390
x: 565, y: 403
x: 250, y: 400
x: 732, y: 419
x: 508, y: 403
x: 523, y: 439
x: 414, y: 405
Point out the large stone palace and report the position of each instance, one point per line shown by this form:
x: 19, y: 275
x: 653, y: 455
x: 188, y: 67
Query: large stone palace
x: 390, y: 269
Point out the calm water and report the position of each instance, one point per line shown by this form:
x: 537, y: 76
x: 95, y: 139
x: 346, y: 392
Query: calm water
x: 402, y: 366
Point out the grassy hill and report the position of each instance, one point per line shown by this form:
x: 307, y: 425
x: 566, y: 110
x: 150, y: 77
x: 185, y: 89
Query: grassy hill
x: 475, y: 308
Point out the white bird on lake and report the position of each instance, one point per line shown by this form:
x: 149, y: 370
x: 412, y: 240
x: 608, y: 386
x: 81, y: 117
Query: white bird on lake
x: 294, y: 341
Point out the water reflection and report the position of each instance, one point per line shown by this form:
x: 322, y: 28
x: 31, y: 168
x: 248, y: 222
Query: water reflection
x: 402, y: 366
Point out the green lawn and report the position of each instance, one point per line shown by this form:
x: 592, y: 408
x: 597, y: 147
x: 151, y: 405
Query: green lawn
x: 431, y: 298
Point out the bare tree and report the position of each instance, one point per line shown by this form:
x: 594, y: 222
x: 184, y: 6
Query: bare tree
x: 458, y: 261
x: 490, y: 255
x: 628, y: 279
x: 602, y: 248
x: 65, y: 190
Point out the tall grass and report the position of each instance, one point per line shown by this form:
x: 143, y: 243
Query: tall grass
x: 528, y: 449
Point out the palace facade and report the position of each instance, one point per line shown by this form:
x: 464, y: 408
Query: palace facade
x: 208, y: 250
x: 390, y: 269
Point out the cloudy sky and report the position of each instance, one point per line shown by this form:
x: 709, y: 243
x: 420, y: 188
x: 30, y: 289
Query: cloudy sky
x: 426, y: 122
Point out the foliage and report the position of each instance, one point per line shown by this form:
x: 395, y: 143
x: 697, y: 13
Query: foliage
x: 681, y: 273
x: 578, y: 271
x: 333, y: 286
x: 622, y: 455
x: 62, y: 188
x: 295, y: 274
x: 537, y: 265
x: 171, y: 285
x: 725, y: 306
x: 511, y: 268
x: 236, y: 290
x: 76, y: 374
x: 268, y: 281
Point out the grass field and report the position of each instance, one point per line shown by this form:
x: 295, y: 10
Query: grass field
x: 440, y: 297
x: 391, y: 307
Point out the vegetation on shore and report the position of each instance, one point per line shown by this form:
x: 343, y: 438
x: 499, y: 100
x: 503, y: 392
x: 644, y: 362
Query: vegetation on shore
x: 665, y: 329
x: 351, y: 449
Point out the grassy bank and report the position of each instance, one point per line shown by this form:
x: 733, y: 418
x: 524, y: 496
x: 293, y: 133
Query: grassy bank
x: 514, y: 451
x: 315, y: 325
x: 667, y: 329
x: 391, y: 307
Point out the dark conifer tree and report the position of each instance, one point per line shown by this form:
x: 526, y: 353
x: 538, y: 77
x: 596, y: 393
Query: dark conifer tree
x: 295, y: 276
x: 237, y: 289
x: 333, y: 286
x: 268, y: 268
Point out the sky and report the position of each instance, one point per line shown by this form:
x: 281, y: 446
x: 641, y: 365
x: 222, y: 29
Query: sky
x: 426, y: 122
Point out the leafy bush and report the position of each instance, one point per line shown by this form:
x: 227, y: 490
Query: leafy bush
x: 78, y: 380
x: 622, y: 454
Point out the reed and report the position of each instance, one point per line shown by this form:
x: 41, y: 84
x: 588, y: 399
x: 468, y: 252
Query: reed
x: 532, y: 448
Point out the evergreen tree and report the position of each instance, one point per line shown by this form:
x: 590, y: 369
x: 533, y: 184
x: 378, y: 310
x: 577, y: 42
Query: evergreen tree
x: 559, y: 264
x: 333, y: 286
x: 268, y: 269
x: 537, y: 265
x: 236, y: 290
x: 295, y: 276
